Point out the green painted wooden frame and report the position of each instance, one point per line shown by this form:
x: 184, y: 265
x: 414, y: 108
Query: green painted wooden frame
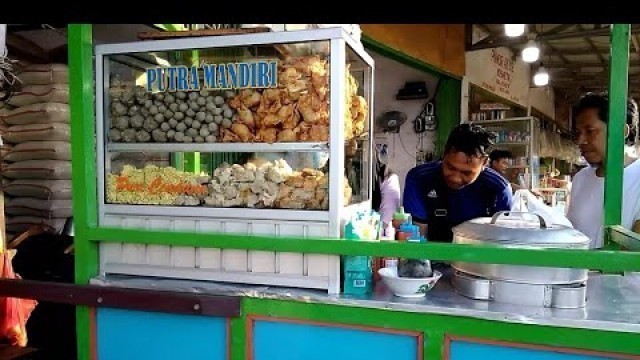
x: 85, y: 211
x: 434, y: 326
x: 618, y: 91
x: 88, y: 234
x: 604, y: 260
x: 626, y: 238
x: 81, y: 101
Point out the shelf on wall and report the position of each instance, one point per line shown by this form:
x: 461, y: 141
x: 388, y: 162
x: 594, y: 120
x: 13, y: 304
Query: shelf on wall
x: 499, y: 121
x: 478, y: 95
x: 217, y: 147
x: 412, y: 97
x: 511, y: 144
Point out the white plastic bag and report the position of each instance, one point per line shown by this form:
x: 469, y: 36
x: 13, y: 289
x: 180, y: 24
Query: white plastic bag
x: 520, y: 201
x: 525, y: 201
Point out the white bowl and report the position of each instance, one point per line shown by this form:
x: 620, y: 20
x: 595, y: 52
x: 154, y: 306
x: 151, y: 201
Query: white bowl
x: 408, y: 287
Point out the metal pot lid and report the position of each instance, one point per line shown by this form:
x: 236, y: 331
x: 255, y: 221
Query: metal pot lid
x: 513, y: 228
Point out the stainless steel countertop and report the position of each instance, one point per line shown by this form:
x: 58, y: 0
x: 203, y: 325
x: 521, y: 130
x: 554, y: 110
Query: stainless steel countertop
x: 613, y: 301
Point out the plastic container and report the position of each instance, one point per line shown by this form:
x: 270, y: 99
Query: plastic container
x: 358, y: 283
x: 408, y: 227
x: 399, y: 217
x: 382, y: 262
x: 357, y: 263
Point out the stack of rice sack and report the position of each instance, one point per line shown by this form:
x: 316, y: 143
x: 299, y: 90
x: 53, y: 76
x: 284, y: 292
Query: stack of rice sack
x: 36, y: 167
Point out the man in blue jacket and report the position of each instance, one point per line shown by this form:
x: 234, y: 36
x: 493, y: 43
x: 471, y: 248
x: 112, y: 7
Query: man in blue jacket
x: 460, y: 187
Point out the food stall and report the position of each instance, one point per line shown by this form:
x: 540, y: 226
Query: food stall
x: 165, y: 272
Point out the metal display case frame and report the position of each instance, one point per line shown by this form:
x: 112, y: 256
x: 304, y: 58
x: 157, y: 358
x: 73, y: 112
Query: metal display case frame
x: 174, y: 261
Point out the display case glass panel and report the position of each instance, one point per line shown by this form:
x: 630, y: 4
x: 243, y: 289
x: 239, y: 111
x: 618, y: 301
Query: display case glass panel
x: 247, y: 94
x: 284, y: 180
x: 358, y: 144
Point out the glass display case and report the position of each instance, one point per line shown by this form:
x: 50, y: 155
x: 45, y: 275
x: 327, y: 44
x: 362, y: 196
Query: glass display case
x: 270, y: 101
x: 275, y: 126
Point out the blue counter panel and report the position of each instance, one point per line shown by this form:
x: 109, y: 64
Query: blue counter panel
x: 293, y: 341
x: 465, y: 350
x: 124, y: 335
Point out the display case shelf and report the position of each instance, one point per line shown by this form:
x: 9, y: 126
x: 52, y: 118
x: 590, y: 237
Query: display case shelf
x: 217, y: 147
x: 217, y: 213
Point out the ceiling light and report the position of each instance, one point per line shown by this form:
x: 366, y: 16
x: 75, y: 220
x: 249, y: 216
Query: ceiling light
x: 541, y: 78
x: 531, y: 52
x: 513, y: 30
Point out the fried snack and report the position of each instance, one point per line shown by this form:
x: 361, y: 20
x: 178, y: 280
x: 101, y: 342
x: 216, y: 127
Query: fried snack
x: 245, y: 116
x: 268, y: 135
x: 287, y: 135
x: 308, y: 189
x: 298, y: 110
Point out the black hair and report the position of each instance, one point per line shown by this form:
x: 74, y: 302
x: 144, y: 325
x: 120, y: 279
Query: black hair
x: 381, y: 172
x: 496, y: 155
x: 472, y: 140
x: 600, y: 101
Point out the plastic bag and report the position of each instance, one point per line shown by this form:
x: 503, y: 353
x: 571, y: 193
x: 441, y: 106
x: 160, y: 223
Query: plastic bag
x: 14, y: 312
x: 520, y: 201
x: 525, y: 201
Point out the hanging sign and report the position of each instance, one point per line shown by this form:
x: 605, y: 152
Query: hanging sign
x: 497, y: 71
x: 229, y: 76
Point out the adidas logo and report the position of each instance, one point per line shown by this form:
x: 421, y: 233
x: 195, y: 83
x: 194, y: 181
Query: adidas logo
x: 432, y: 194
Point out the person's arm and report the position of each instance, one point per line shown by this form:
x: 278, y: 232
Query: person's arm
x: 571, y: 209
x: 390, y: 193
x: 504, y: 200
x: 413, y: 203
x: 636, y: 223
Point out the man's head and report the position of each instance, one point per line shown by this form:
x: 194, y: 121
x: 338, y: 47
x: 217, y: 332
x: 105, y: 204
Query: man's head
x: 465, y: 155
x: 590, y: 119
x: 499, y: 160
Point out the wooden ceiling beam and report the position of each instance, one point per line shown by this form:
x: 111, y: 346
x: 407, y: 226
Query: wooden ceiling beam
x: 25, y: 48
x: 556, y: 52
x: 558, y: 29
x: 593, y: 47
x: 522, y: 40
x: 636, y: 46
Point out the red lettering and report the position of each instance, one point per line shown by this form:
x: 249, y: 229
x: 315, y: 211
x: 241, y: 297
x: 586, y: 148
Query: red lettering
x: 155, y: 186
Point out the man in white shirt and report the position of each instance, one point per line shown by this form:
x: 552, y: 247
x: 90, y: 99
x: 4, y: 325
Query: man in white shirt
x: 591, y: 116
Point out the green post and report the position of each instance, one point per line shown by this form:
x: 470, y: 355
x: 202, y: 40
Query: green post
x: 192, y: 160
x: 618, y: 87
x: 81, y: 100
x: 447, y: 102
x: 189, y: 162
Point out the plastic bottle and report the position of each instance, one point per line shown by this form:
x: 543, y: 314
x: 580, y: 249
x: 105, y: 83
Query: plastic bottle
x: 399, y: 218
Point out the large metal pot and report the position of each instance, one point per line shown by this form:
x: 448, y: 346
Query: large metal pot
x: 516, y: 229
